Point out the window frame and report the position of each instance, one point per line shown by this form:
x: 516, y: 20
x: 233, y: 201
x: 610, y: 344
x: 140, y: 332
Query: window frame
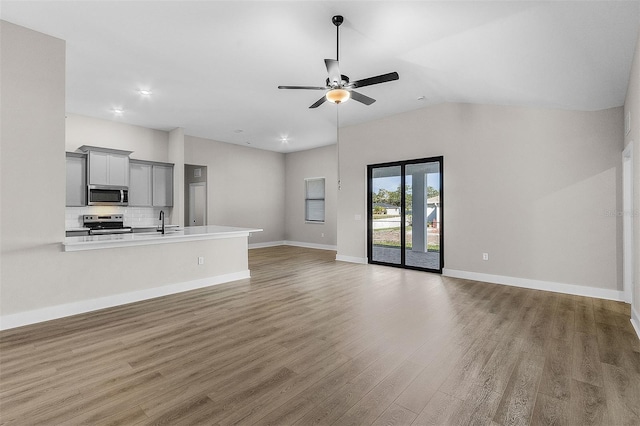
x: 314, y: 197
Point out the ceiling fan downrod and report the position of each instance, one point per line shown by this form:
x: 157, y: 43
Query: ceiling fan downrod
x: 337, y: 21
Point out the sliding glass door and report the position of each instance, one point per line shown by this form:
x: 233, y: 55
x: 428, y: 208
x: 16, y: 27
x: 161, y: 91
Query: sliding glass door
x: 385, y: 214
x: 405, y: 214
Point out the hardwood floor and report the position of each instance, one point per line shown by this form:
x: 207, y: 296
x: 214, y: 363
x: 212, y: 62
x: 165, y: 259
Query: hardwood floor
x: 308, y: 340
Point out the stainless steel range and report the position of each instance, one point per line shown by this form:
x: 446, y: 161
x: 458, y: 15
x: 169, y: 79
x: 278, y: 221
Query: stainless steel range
x: 105, y: 224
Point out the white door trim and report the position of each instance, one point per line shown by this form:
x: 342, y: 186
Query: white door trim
x: 627, y: 223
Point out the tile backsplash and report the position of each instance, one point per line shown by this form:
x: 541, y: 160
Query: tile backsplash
x: 133, y: 216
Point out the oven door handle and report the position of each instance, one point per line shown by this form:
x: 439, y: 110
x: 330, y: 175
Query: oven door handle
x: 110, y: 231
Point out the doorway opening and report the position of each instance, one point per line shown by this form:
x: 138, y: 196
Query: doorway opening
x: 405, y: 214
x: 195, y: 199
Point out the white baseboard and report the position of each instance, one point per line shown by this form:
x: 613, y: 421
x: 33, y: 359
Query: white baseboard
x: 267, y: 244
x: 310, y: 245
x: 68, y: 309
x: 635, y: 321
x: 579, y: 290
x: 351, y: 259
x: 295, y: 244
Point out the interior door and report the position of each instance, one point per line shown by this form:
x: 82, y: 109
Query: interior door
x: 405, y: 226
x: 197, y: 204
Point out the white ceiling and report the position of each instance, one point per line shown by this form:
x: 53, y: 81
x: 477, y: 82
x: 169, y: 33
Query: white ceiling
x: 214, y: 66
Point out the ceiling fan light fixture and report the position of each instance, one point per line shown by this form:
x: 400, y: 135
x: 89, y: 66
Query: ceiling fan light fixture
x: 338, y: 96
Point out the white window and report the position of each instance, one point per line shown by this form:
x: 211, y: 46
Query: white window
x: 314, y: 200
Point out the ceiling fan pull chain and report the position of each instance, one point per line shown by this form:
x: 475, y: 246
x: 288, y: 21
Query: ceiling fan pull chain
x: 338, y: 145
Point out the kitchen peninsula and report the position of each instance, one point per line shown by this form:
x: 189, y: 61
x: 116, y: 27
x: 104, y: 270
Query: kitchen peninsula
x: 43, y: 278
x: 193, y: 233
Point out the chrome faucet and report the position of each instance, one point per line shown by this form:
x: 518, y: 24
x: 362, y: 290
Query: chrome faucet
x: 162, y: 219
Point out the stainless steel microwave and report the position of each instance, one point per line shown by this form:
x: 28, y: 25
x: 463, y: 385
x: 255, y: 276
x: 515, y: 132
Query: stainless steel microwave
x: 104, y: 195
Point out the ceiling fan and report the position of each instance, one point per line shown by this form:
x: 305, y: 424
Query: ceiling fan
x: 338, y: 87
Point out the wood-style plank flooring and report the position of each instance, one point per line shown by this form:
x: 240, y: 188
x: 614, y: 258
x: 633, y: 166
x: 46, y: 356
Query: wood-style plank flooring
x: 308, y: 340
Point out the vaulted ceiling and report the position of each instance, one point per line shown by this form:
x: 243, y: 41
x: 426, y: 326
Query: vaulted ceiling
x: 213, y: 67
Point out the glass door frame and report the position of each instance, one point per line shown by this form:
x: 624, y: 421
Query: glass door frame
x: 402, y: 165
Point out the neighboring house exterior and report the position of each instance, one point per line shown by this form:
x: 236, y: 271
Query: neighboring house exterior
x: 433, y: 211
x: 389, y: 209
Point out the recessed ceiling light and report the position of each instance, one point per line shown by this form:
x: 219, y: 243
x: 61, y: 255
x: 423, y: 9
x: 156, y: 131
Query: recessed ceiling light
x: 145, y: 92
x: 422, y: 98
x: 238, y: 131
x: 117, y: 111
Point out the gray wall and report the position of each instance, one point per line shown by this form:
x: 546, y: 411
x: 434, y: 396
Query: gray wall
x: 245, y: 186
x: 33, y: 161
x: 529, y: 186
x: 319, y: 162
x: 146, y: 144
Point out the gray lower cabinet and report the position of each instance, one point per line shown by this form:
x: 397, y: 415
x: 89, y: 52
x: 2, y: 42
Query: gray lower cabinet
x: 150, y: 184
x: 77, y: 233
x: 76, y: 180
x: 145, y: 230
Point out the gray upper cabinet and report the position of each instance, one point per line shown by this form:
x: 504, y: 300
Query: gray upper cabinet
x: 151, y: 184
x: 107, y: 166
x: 140, y: 182
x: 108, y: 169
x: 119, y: 170
x: 76, y: 180
x: 162, y: 185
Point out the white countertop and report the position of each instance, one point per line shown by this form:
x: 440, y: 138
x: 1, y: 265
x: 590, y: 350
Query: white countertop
x: 191, y: 233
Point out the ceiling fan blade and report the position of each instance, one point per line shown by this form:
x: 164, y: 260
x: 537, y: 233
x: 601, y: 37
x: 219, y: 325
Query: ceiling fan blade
x: 319, y: 102
x: 375, y: 80
x: 361, y: 98
x: 333, y: 70
x: 303, y: 87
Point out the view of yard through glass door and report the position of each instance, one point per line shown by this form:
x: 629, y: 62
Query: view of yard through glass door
x: 405, y: 214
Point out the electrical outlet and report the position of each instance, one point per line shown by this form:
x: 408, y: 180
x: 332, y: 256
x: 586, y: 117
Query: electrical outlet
x: 322, y: 235
x: 485, y: 256
x: 200, y: 260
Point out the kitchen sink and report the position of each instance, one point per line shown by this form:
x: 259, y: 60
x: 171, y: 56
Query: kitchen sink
x: 168, y: 229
